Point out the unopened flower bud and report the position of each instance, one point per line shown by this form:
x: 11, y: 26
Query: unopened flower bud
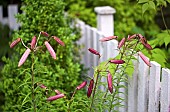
x: 109, y: 81
x: 94, y: 51
x: 90, y: 88
x: 44, y: 33
x: 82, y: 85
x: 121, y: 43
x: 15, y: 42
x: 52, y: 98
x: 131, y: 37
x: 33, y: 42
x: 144, y: 58
x: 117, y: 61
x: 57, y: 92
x: 24, y: 57
x: 50, y: 49
x: 58, y: 40
x: 43, y: 86
x: 108, y: 38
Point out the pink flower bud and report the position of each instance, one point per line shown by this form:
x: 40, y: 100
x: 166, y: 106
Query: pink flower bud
x: 90, y: 88
x: 121, y: 43
x: 43, y: 86
x: 82, y: 85
x: 145, y: 44
x: 108, y: 38
x: 117, y: 61
x: 144, y: 58
x: 52, y: 98
x: 44, y: 33
x: 109, y: 81
x: 15, y: 42
x: 33, y: 42
x: 131, y: 37
x: 50, y: 49
x: 58, y: 40
x: 148, y: 46
x: 94, y: 51
x: 57, y: 92
x: 24, y: 57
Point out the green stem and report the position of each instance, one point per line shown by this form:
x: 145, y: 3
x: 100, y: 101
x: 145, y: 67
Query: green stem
x: 70, y: 101
x: 94, y: 91
x: 164, y: 21
x: 118, y: 81
x: 32, y: 84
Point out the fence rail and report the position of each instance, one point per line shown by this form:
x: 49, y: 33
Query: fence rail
x: 148, y: 89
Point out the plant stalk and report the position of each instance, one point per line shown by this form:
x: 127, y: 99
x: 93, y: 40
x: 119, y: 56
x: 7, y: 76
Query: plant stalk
x: 32, y: 84
x: 118, y: 81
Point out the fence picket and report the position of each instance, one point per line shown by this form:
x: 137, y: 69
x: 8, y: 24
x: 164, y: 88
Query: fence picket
x: 1, y: 14
x: 133, y: 88
x: 165, y: 90
x: 154, y: 87
x: 142, y: 86
x: 12, y: 11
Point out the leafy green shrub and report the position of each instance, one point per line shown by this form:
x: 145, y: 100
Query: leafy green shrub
x: 62, y: 74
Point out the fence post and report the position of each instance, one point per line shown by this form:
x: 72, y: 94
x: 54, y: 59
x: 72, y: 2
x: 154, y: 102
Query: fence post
x: 105, y: 20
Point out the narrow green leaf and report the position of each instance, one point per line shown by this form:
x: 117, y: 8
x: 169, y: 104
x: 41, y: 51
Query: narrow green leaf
x: 144, y: 7
x: 142, y: 1
x: 152, y: 5
x: 167, y: 40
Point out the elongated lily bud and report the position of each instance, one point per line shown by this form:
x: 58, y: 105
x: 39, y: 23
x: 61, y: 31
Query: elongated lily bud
x: 58, y: 40
x: 117, y: 61
x: 109, y: 81
x: 24, y: 57
x: 43, y: 86
x: 94, y: 51
x: 121, y: 43
x: 15, y: 42
x: 108, y: 38
x: 50, y: 49
x: 44, y: 33
x: 82, y: 85
x: 144, y: 58
x: 90, y: 88
x: 52, y: 98
x: 33, y: 42
x: 57, y: 92
x: 145, y: 44
x: 131, y: 37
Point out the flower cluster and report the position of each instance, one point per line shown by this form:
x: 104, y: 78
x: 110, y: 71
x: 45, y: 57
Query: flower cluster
x: 33, y: 46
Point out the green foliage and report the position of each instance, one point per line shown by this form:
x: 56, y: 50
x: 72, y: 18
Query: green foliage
x: 128, y: 16
x: 62, y: 74
x: 4, y: 40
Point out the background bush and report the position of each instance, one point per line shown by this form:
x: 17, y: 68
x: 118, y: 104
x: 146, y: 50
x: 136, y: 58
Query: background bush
x: 62, y: 74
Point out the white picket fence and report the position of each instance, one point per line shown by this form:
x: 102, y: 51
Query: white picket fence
x: 10, y: 20
x: 148, y: 88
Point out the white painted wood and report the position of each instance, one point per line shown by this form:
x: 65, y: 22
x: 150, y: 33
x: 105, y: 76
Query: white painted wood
x: 1, y: 14
x: 12, y: 11
x: 154, y: 87
x: 105, y: 19
x: 94, y: 46
x: 81, y: 41
x: 165, y: 90
x: 142, y: 87
x: 133, y: 88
